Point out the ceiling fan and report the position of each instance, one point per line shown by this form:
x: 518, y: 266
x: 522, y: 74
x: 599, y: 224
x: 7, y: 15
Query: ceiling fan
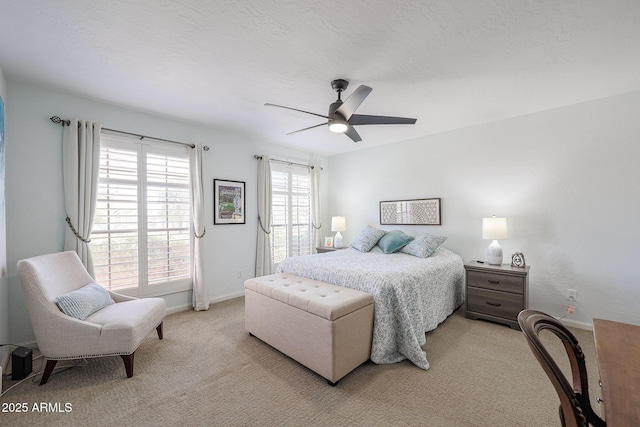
x: 341, y: 117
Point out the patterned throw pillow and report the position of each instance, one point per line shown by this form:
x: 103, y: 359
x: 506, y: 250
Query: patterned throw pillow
x: 393, y: 241
x: 85, y: 301
x: 423, y: 245
x: 367, y: 239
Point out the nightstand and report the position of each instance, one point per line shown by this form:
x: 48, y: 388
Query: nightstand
x: 496, y: 292
x: 324, y: 249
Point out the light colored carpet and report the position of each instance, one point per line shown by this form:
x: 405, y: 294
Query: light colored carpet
x: 209, y: 372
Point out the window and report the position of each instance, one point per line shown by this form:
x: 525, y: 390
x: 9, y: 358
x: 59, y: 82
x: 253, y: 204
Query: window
x: 141, y: 238
x: 291, y: 230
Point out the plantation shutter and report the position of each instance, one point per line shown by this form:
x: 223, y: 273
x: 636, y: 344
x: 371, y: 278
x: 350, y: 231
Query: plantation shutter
x: 142, y: 231
x: 114, y: 239
x: 291, y: 232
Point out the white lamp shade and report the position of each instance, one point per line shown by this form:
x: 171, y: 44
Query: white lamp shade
x: 494, y: 228
x: 338, y: 223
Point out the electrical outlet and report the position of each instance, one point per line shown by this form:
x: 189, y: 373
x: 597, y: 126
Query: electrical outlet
x: 239, y: 274
x: 571, y: 295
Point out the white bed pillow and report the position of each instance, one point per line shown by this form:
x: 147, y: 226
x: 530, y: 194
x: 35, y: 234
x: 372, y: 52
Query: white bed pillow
x: 367, y: 239
x: 423, y: 245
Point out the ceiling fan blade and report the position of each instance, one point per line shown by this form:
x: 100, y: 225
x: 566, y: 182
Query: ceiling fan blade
x: 359, y: 119
x: 295, y: 109
x: 351, y: 104
x: 310, y: 127
x: 351, y: 133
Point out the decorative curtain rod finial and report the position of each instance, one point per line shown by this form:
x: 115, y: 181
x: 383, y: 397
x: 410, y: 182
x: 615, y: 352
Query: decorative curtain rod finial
x: 57, y: 120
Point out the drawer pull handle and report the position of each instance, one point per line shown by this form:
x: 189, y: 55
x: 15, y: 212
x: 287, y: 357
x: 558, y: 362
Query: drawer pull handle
x: 599, y: 400
x: 495, y: 304
x: 495, y: 282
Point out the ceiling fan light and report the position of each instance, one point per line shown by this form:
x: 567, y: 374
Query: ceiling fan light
x: 338, y: 126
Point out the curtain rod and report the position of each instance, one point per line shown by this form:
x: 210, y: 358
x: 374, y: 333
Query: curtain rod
x: 63, y: 122
x: 258, y: 157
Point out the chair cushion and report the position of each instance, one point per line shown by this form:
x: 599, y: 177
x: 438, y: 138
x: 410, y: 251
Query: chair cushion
x: 124, y: 325
x: 85, y: 301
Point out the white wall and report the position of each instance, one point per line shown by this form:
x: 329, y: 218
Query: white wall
x: 568, y: 181
x: 4, y: 287
x: 35, y: 197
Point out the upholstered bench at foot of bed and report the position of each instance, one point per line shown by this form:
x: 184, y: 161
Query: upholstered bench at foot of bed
x: 326, y: 328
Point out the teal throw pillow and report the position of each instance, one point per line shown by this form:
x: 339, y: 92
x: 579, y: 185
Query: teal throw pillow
x: 393, y: 241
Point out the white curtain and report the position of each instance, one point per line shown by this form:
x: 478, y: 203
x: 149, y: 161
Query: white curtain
x: 200, y: 291
x: 81, y: 163
x: 263, y: 252
x: 315, y: 207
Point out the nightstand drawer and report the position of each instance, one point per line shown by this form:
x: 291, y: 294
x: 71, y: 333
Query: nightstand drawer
x: 496, y: 281
x: 494, y: 303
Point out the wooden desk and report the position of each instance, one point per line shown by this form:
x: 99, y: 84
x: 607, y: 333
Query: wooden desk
x: 618, y: 350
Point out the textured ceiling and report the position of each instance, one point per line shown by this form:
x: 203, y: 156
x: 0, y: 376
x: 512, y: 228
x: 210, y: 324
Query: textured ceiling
x: 449, y: 63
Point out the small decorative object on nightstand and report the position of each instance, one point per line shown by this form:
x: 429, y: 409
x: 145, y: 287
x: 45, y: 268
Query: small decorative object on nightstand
x: 517, y: 260
x: 328, y: 242
x: 496, y: 292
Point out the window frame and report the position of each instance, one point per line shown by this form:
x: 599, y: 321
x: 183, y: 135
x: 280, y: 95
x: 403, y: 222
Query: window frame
x: 142, y: 148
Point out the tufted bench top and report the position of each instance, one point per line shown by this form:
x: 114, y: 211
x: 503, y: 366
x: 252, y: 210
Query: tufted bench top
x: 321, y: 299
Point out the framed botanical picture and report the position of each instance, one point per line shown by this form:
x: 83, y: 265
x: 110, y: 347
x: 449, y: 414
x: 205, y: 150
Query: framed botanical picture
x: 410, y: 212
x: 328, y: 242
x: 228, y: 202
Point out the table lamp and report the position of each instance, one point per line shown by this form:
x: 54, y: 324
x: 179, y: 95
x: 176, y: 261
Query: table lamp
x: 338, y: 225
x: 494, y: 229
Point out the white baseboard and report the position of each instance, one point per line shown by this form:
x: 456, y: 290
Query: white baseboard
x: 178, y: 309
x: 187, y: 307
x: 226, y: 297
x: 576, y: 324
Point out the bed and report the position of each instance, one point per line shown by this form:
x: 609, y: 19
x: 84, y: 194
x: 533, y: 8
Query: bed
x: 411, y: 295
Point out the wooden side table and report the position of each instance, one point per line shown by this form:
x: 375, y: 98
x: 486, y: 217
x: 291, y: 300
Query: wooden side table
x: 324, y: 249
x: 496, y: 292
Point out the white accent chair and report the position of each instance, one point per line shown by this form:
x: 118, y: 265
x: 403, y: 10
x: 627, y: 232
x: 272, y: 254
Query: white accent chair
x: 115, y: 330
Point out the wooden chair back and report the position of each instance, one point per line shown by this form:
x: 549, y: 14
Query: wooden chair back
x: 575, y: 408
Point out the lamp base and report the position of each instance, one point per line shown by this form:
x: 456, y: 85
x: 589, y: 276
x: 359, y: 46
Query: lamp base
x: 494, y: 253
x: 337, y: 240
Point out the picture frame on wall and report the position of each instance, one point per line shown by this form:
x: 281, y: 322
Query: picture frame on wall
x: 411, y: 212
x: 229, y: 202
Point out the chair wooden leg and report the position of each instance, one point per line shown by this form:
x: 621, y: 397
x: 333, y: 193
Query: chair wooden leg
x: 159, y: 329
x: 128, y: 363
x: 48, y: 369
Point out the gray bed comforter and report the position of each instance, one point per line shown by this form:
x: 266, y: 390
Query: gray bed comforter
x: 411, y: 295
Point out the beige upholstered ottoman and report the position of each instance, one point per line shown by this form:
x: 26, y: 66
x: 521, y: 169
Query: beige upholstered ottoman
x: 325, y: 327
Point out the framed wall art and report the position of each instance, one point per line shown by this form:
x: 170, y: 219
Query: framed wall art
x: 410, y: 212
x: 228, y: 202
